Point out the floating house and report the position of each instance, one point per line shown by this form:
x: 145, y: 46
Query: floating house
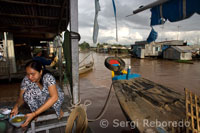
x: 144, y: 49
x: 178, y: 53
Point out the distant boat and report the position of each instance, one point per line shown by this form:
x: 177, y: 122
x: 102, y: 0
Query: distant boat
x: 86, y: 67
x: 82, y: 69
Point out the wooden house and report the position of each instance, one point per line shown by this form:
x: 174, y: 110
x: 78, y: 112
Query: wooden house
x: 178, y: 53
x: 144, y: 49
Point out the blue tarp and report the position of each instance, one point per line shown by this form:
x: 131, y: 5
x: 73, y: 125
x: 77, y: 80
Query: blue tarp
x: 174, y: 11
x: 152, y: 36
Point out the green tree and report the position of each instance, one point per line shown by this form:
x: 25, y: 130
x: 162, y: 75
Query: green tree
x: 84, y: 46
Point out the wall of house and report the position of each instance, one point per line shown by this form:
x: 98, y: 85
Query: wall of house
x: 152, y: 49
x: 136, y: 49
x: 186, y: 56
x: 171, y: 53
x: 140, y: 53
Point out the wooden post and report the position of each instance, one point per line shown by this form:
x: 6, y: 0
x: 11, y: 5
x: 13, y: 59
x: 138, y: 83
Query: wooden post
x: 60, y: 60
x: 74, y: 51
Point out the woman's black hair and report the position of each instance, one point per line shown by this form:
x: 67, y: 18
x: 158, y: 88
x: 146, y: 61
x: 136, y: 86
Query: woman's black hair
x: 37, y: 65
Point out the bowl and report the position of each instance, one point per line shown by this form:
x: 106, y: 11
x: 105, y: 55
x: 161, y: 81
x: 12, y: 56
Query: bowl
x: 6, y: 112
x: 17, y: 120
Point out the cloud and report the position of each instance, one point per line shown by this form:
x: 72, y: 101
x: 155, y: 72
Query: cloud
x: 186, y: 36
x: 133, y: 28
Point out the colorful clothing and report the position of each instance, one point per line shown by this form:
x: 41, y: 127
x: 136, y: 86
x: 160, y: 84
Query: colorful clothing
x: 36, y: 97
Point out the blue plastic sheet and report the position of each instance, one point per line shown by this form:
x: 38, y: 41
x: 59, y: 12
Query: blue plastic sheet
x: 174, y: 11
x: 152, y: 36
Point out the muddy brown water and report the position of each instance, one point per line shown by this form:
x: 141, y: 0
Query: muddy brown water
x: 95, y: 86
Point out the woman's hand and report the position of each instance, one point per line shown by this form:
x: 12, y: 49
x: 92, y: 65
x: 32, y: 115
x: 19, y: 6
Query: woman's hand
x: 14, y: 111
x: 20, y: 101
x: 29, y: 116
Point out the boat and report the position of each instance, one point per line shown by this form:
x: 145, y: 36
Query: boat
x: 86, y: 68
x: 144, y: 102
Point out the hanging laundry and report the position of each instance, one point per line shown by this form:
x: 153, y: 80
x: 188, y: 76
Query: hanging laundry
x: 152, y: 36
x: 96, y: 25
x: 114, y: 7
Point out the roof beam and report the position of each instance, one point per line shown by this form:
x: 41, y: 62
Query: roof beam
x: 40, y: 36
x: 28, y: 31
x: 30, y: 3
x: 34, y: 14
x: 30, y: 16
x: 40, y: 28
x: 25, y: 26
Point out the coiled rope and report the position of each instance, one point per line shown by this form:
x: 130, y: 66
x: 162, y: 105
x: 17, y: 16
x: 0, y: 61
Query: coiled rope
x: 78, y: 114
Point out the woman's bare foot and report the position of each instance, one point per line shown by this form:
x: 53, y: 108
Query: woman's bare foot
x: 61, y: 114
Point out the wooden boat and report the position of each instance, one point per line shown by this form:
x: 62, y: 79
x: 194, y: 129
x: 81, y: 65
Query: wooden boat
x: 144, y: 101
x: 86, y: 68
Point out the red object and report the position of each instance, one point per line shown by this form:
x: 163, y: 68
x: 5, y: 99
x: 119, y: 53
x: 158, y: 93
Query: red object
x: 113, y: 62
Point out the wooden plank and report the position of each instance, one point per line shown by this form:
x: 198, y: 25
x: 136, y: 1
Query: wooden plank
x: 191, y: 108
x: 192, y: 111
x: 48, y: 126
x: 186, y: 106
x: 197, y: 112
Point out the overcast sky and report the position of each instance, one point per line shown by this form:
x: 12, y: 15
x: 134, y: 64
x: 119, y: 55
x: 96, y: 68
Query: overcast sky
x: 133, y: 28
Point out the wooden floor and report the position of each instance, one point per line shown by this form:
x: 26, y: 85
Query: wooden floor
x: 144, y: 101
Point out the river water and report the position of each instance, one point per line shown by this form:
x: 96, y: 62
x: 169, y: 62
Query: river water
x: 166, y: 72
x: 96, y: 84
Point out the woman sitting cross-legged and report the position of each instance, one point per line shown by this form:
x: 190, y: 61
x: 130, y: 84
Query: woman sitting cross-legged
x: 39, y: 91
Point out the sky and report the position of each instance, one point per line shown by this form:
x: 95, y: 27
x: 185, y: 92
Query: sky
x: 133, y: 28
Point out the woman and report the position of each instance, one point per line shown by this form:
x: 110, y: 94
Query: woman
x: 39, y: 91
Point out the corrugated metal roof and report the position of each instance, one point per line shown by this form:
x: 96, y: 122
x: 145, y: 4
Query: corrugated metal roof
x: 36, y: 19
x: 185, y: 49
x: 171, y: 42
x: 194, y: 46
